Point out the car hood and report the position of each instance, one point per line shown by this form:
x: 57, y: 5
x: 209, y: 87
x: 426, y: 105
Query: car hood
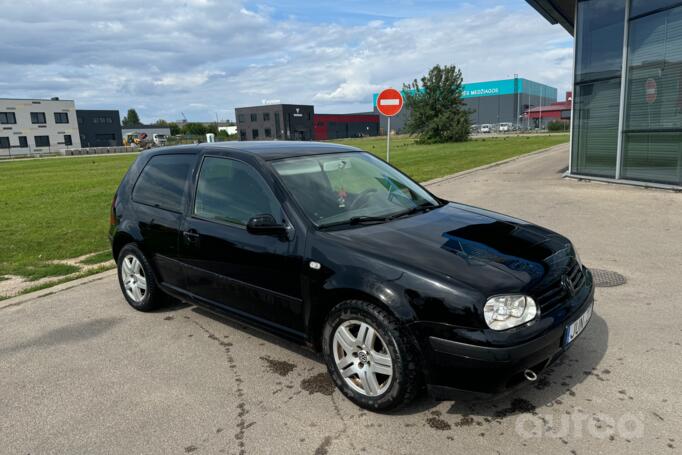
x: 487, y: 251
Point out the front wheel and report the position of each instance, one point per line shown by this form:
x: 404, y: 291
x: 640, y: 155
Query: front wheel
x: 370, y: 356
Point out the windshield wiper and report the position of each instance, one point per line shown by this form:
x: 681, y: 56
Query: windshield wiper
x: 367, y: 219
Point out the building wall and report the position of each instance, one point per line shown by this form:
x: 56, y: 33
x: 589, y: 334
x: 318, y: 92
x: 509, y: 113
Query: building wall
x: 99, y: 128
x: 10, y: 133
x: 333, y: 126
x: 275, y: 122
x: 491, y: 102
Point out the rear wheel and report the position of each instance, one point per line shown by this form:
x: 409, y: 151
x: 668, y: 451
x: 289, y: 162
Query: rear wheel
x: 137, y: 279
x: 370, y: 356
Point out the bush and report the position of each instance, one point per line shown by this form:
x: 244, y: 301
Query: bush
x: 557, y: 126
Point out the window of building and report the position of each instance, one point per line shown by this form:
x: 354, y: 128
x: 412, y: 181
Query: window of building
x: 652, y: 147
x: 4, y: 142
x: 38, y: 118
x: 162, y: 182
x: 254, y: 134
x: 8, y: 118
x: 67, y: 140
x: 278, y: 129
x: 595, y: 137
x: 639, y: 7
x: 42, y: 141
x: 242, y: 135
x: 599, y: 45
x: 61, y: 117
x: 254, y: 117
x: 233, y: 192
x: 266, y: 116
x: 268, y: 132
x: 240, y: 117
x: 23, y: 142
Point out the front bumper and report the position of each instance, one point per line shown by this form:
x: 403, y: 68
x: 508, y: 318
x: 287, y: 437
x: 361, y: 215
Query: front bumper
x: 477, y: 369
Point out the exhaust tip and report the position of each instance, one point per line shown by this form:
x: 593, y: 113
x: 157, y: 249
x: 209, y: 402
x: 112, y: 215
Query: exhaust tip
x: 530, y: 375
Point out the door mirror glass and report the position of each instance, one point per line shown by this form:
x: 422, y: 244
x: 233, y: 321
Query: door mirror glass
x: 265, y: 224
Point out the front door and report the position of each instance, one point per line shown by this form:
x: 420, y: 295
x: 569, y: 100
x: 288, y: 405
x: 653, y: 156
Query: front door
x: 257, y: 276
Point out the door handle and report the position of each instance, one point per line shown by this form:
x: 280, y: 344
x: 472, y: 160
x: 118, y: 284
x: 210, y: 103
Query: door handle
x: 191, y: 236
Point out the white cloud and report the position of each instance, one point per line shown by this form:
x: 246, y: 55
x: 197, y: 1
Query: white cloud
x: 202, y: 57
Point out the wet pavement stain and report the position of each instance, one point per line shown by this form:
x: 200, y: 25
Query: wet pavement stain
x: 323, y: 448
x: 190, y: 449
x: 169, y: 318
x: 241, y: 425
x: 517, y: 406
x: 280, y: 367
x: 465, y: 421
x: 438, y: 424
x: 319, y: 383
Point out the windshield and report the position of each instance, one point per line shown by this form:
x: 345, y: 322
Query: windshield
x: 347, y: 187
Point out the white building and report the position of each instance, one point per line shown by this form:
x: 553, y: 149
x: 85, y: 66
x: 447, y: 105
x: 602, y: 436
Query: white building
x: 34, y: 126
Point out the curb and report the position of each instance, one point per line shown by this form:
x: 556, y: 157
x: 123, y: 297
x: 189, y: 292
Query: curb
x: 18, y: 300
x: 491, y: 165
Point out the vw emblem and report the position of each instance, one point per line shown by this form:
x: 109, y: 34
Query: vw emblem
x: 568, y: 285
x: 362, y: 356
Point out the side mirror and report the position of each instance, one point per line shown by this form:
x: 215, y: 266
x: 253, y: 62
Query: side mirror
x: 265, y: 224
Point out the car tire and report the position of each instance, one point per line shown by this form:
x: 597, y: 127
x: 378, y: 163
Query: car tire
x: 137, y: 279
x: 361, y: 375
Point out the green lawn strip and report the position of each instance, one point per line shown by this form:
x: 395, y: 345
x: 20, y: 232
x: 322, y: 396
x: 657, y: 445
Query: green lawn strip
x: 84, y: 274
x: 97, y: 258
x: 424, y: 162
x: 55, y: 209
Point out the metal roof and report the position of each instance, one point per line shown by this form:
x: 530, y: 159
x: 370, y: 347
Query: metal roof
x: 557, y: 12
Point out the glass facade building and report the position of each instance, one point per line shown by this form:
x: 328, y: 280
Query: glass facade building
x: 627, y: 110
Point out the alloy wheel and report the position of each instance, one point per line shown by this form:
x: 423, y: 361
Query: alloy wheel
x: 134, y: 280
x: 363, y: 358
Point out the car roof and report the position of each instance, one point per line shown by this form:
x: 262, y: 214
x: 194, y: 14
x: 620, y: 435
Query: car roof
x: 268, y: 150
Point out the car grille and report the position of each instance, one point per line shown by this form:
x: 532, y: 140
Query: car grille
x: 557, y: 293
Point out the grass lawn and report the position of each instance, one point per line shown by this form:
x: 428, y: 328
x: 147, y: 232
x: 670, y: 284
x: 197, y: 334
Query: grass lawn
x: 58, y: 208
x: 426, y: 162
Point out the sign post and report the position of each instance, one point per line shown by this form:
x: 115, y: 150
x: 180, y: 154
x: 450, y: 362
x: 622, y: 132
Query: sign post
x: 389, y: 103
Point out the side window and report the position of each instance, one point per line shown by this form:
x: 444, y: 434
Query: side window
x: 162, y: 181
x: 232, y: 191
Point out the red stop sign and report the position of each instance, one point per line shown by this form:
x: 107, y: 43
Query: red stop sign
x: 651, y: 90
x: 389, y: 102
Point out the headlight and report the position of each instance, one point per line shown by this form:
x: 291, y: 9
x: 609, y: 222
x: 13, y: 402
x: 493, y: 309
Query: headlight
x: 506, y: 311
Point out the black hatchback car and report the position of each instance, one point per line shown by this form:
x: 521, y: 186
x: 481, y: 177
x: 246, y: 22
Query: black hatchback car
x: 329, y: 246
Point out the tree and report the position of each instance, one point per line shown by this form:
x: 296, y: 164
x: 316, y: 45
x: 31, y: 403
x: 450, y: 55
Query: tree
x: 174, y: 128
x: 132, y: 119
x: 194, y: 129
x: 438, y: 112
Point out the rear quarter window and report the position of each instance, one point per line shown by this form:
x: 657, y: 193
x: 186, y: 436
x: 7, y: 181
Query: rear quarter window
x: 163, y: 180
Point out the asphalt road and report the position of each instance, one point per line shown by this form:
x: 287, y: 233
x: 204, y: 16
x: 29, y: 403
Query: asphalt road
x: 81, y: 372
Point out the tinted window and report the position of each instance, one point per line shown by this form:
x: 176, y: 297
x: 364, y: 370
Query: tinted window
x: 38, y: 118
x: 4, y: 142
x: 599, y: 46
x: 645, y: 6
x: 42, y: 141
x: 232, y: 191
x: 254, y: 117
x: 8, y: 118
x: 67, y: 139
x: 61, y: 117
x: 23, y: 141
x: 162, y: 182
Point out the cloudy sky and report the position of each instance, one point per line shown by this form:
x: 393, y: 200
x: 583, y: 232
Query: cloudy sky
x: 204, y: 57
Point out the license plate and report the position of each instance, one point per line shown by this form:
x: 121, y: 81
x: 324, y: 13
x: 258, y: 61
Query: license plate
x: 573, y: 330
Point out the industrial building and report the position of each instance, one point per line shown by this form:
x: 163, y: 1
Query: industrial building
x: 627, y: 109
x: 555, y: 112
x: 99, y: 128
x: 337, y: 126
x: 275, y: 121
x: 491, y: 102
x: 37, y: 126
